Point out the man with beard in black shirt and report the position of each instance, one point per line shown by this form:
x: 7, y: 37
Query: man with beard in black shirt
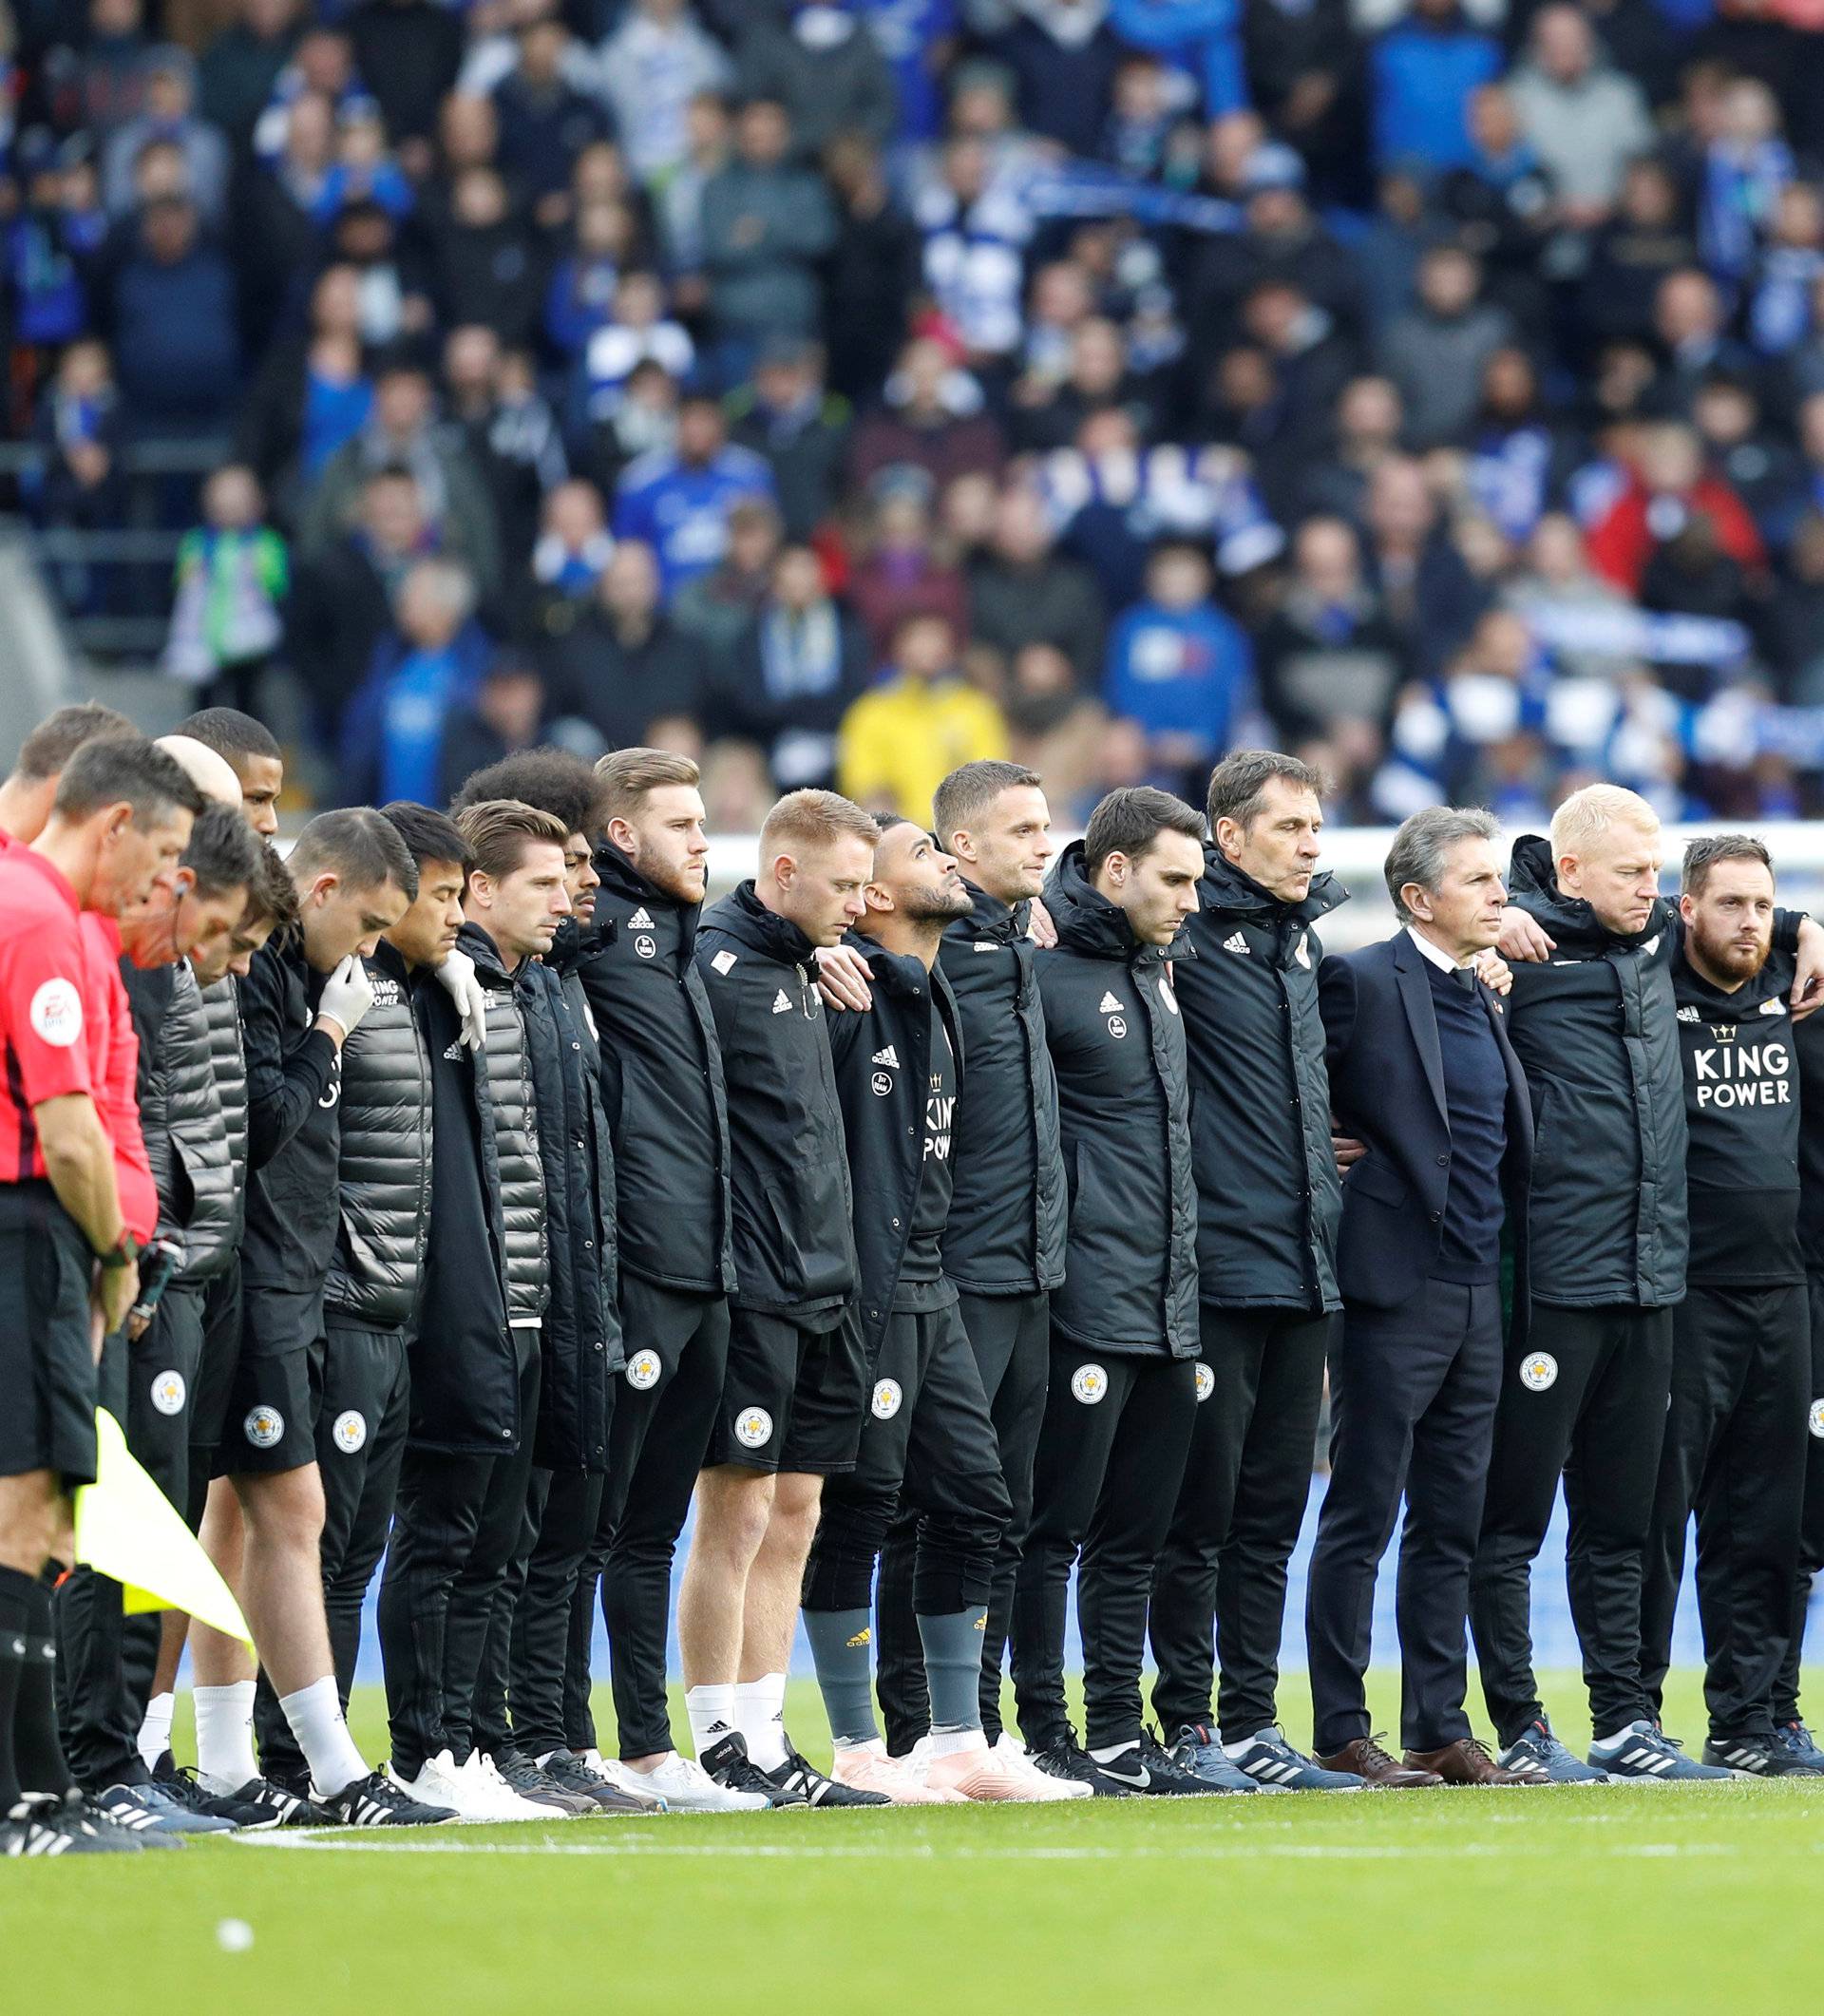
x: 1735, y: 1435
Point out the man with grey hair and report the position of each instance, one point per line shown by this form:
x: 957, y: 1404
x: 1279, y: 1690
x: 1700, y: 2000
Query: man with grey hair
x: 1422, y: 1074
x: 1595, y: 1025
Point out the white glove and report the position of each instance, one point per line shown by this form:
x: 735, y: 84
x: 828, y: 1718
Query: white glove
x: 348, y: 994
x: 456, y: 976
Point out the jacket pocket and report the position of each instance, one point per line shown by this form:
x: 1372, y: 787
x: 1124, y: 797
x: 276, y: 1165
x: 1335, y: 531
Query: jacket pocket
x: 1375, y: 1178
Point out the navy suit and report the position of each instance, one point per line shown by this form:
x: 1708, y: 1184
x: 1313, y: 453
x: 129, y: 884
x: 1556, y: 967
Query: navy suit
x: 1415, y: 1374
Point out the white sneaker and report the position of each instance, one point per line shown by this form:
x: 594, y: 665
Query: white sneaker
x: 491, y: 1792
x: 686, y: 1787
x: 866, y: 1767
x: 441, y: 1782
x: 1044, y: 1785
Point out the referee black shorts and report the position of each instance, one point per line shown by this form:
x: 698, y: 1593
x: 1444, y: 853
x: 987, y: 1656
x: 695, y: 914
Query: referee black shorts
x: 270, y: 1423
x: 793, y: 1398
x: 47, y: 1377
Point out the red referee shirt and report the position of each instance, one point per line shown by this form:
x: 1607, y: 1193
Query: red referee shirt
x: 53, y: 1009
x: 117, y: 1080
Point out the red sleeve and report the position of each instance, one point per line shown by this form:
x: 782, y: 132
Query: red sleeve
x: 44, y: 972
x: 120, y: 1108
x: 1617, y: 543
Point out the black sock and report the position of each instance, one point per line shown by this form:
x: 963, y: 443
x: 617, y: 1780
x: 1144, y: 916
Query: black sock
x: 15, y: 1618
x: 40, y: 1754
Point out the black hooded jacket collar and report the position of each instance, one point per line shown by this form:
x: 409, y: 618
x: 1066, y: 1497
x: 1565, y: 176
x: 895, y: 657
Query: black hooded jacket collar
x: 743, y: 916
x: 1227, y: 889
x: 1088, y: 923
x: 1533, y: 883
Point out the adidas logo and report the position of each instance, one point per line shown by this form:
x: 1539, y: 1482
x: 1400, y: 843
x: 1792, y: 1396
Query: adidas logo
x: 454, y: 1053
x: 1110, y: 1005
x: 639, y: 920
x: 861, y: 1637
x: 1689, y: 1014
x: 1236, y: 943
x: 889, y: 1057
x: 781, y: 1003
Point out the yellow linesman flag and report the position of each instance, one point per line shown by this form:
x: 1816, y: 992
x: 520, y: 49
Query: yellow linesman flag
x: 127, y: 1529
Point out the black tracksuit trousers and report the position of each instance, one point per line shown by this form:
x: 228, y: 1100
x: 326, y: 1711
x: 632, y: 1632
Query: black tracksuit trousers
x: 1734, y: 1452
x: 677, y: 1352
x: 1220, y: 1585
x: 104, y: 1658
x: 456, y: 1527
x: 1011, y: 1337
x: 1111, y: 1460
x: 1811, y: 1524
x: 1585, y: 1397
x: 520, y: 1701
x: 361, y: 1392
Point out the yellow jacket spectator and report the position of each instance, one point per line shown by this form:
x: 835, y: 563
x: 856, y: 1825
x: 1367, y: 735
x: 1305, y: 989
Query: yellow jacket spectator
x: 901, y: 739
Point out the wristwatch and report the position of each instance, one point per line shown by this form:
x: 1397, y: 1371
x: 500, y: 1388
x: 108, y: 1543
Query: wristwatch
x: 123, y: 1253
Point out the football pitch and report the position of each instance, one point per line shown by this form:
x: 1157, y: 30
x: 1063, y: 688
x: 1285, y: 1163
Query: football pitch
x: 1629, y: 1897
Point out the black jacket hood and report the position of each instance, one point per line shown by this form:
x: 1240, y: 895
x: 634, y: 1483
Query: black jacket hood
x: 1225, y: 887
x: 1088, y: 923
x: 1533, y: 883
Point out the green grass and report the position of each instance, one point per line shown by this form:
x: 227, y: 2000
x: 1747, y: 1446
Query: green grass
x: 1609, y: 1899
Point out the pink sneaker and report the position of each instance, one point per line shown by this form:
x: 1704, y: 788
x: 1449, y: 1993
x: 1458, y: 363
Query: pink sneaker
x: 983, y: 1774
x: 866, y: 1767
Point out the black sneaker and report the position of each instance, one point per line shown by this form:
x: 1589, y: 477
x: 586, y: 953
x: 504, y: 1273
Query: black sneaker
x: 566, y: 1769
x: 1067, y: 1758
x: 186, y: 1789
x: 1145, y: 1767
x: 1761, y: 1754
x: 42, y: 1824
x: 798, y: 1775
x: 532, y: 1781
x: 376, y: 1801
x: 728, y: 1762
x: 150, y: 1809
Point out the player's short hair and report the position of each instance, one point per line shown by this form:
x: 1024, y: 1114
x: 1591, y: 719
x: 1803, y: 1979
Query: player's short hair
x: 1238, y: 784
x: 125, y: 770
x: 553, y: 780
x: 223, y: 852
x: 1420, y: 852
x: 499, y: 830
x: 1587, y: 814
x: 231, y: 734
x: 1702, y: 855
x: 629, y: 777
x: 1129, y: 822
x: 813, y: 819
x: 360, y: 846
x: 56, y: 739
x: 272, y: 898
x: 428, y: 835
x: 968, y: 791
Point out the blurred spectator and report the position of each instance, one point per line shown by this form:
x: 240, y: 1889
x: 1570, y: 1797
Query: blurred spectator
x: 1057, y: 728
x: 1583, y: 120
x: 871, y: 270
x: 240, y: 67
x: 678, y: 502
x: 976, y: 228
x: 402, y: 432
x: 322, y: 65
x: 341, y: 603
x: 654, y: 65
x: 901, y: 738
x: 766, y: 224
x: 1063, y: 56
x: 792, y: 675
x: 313, y: 394
x: 1665, y: 489
x: 1762, y: 470
x: 1569, y: 608
x: 1284, y: 240
x: 95, y: 73
x: 508, y: 432
x: 1427, y: 592
x: 1632, y: 253
x: 716, y: 610
x: 902, y: 575
x: 801, y: 429
x: 1421, y: 74
x: 1197, y: 39
x: 169, y: 116
x: 1746, y: 169
x: 1787, y: 273
x: 1518, y: 462
x: 679, y: 196
x: 409, y: 52
x: 171, y: 328
x: 545, y: 122
x: 1690, y: 321
x: 504, y: 716
x: 1023, y: 591
x: 431, y: 663
x: 1795, y: 620
x: 1179, y: 669
x: 581, y: 298
x: 824, y: 65
x: 483, y: 263
x: 1477, y: 734
x: 931, y: 419
x: 1436, y: 352
x: 1369, y: 421
x: 54, y: 246
x: 573, y: 546
x: 232, y: 579
x: 622, y: 668
x: 1327, y: 653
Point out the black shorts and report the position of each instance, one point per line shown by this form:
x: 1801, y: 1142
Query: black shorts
x: 793, y: 1398
x: 220, y: 1355
x: 271, y: 1400
x: 162, y: 1389
x: 47, y: 1362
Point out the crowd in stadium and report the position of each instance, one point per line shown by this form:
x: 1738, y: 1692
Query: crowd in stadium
x: 1437, y: 391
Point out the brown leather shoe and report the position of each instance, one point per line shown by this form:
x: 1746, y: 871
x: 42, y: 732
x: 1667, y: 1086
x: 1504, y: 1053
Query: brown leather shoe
x: 1468, y: 1762
x: 1367, y: 1759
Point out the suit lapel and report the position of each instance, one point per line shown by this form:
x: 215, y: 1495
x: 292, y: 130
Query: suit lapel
x: 1415, y: 992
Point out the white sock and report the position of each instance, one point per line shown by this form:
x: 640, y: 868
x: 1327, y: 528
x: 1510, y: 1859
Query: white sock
x: 315, y: 1716
x: 947, y: 1742
x: 225, y: 1736
x: 1109, y: 1754
x: 1615, y: 1742
x: 710, y: 1708
x: 155, y: 1731
x: 760, y: 1715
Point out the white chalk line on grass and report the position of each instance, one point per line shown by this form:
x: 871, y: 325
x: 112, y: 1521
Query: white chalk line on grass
x: 311, y: 1841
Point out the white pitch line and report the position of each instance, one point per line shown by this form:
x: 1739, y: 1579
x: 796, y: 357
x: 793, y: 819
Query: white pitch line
x: 925, y: 1850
